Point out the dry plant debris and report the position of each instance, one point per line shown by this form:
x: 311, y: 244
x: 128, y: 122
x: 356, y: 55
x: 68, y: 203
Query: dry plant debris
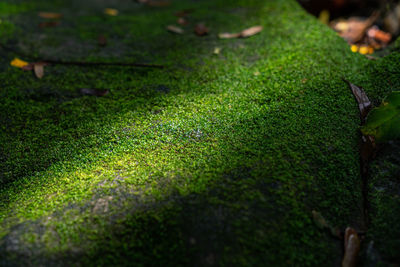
x: 243, y: 34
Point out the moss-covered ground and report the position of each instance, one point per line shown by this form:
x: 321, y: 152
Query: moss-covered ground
x: 217, y: 159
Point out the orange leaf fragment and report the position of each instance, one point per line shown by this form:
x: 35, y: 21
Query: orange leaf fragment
x: 50, y: 15
x: 18, y: 63
x: 379, y: 35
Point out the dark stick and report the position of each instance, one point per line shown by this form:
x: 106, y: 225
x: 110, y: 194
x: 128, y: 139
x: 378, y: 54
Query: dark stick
x: 83, y: 63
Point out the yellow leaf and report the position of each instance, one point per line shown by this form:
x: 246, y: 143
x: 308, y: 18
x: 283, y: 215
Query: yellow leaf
x: 19, y: 63
x: 363, y: 50
x: 111, y: 11
x: 354, y: 48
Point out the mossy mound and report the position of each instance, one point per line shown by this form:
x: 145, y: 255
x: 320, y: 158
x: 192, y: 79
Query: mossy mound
x: 217, y: 159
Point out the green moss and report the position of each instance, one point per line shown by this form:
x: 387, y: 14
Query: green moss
x: 214, y: 159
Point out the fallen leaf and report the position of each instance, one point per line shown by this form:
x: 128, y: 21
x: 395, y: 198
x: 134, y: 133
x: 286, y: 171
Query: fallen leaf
x: 16, y: 62
x: 102, y: 40
x: 243, y: 34
x: 364, y: 105
x: 28, y: 67
x: 322, y: 223
x: 111, y: 11
x: 364, y: 50
x: 351, y: 248
x: 217, y: 50
x: 201, y: 29
x: 50, y: 15
x: 379, y: 35
x: 175, y: 29
x: 251, y: 31
x: 182, y: 21
x: 49, y: 24
x: 228, y: 35
x: 319, y: 220
x: 38, y: 68
x: 93, y: 91
x: 383, y: 122
x: 354, y: 29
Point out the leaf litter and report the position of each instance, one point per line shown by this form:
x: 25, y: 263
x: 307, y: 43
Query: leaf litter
x: 362, y: 34
x: 243, y: 34
x: 201, y: 30
x: 351, y: 248
x: 175, y: 29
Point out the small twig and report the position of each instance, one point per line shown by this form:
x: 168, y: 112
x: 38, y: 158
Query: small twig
x: 82, y: 63
x: 85, y: 64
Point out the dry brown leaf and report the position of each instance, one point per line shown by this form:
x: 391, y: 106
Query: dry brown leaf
x: 364, y: 105
x: 243, y: 34
x: 251, y: 31
x: 182, y: 21
x: 175, y: 29
x: 50, y: 15
x: 354, y: 29
x: 38, y: 68
x: 322, y: 223
x: 351, y: 248
x: 226, y: 35
x: 201, y: 29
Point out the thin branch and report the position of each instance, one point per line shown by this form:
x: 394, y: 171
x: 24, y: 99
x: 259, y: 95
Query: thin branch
x: 82, y: 63
x: 85, y: 64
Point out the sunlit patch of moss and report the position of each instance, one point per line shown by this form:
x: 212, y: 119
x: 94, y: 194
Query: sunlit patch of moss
x: 202, y: 148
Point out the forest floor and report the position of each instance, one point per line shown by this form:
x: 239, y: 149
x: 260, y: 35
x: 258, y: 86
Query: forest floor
x: 221, y: 157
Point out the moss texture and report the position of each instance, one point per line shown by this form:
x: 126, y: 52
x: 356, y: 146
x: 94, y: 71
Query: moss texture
x: 218, y: 159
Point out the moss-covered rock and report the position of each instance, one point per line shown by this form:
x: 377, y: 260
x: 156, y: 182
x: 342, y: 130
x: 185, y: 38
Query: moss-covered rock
x: 217, y: 159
